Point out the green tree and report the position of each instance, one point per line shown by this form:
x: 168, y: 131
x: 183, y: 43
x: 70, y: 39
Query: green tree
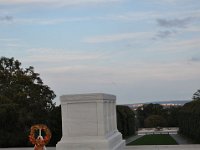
x: 148, y: 110
x: 140, y: 116
x: 196, y: 95
x: 24, y: 101
x: 153, y: 109
x: 155, y: 121
x: 189, y: 120
x: 55, y: 124
x: 125, y: 120
x: 171, y: 114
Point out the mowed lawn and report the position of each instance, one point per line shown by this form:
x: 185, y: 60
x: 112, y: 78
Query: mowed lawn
x: 155, y: 139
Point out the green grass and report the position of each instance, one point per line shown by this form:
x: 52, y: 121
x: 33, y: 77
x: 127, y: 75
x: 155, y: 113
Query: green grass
x: 156, y: 139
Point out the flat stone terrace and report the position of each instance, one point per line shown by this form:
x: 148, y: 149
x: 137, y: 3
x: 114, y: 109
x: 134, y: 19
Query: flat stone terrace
x: 150, y: 147
x: 164, y: 147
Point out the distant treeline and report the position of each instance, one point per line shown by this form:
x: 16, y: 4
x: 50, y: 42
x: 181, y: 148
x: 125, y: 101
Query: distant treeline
x: 155, y: 115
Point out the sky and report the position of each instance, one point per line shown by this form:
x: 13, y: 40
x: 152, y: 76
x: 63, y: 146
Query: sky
x: 138, y: 50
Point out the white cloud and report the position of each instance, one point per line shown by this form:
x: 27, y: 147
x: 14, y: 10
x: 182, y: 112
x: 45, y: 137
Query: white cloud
x: 64, y: 57
x: 131, y: 16
x: 48, y: 21
x: 171, y: 1
x: 58, y: 2
x: 47, y: 55
x: 125, y: 74
x: 9, y: 40
x: 12, y: 42
x: 177, y: 46
x: 118, y: 37
x: 38, y: 21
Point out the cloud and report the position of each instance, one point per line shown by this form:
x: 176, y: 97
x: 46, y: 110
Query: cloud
x: 49, y: 21
x: 176, y: 46
x: 56, y: 2
x: 6, y: 18
x: 47, y: 55
x: 118, y: 37
x: 38, y: 21
x: 173, y: 2
x: 12, y: 42
x: 195, y: 59
x: 9, y: 40
x: 131, y: 16
x: 135, y: 72
x: 174, y: 23
x: 165, y: 34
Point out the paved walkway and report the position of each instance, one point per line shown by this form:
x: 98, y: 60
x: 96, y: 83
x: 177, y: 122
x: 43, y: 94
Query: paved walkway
x: 164, y: 147
x: 149, y: 147
x: 181, y: 139
x: 133, y: 138
x: 48, y: 148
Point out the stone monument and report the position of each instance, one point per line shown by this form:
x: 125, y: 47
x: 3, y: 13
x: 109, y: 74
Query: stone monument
x: 89, y: 123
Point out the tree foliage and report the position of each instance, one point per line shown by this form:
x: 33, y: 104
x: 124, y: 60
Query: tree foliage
x: 24, y: 101
x: 155, y: 121
x: 125, y: 121
x: 189, y: 120
x: 196, y: 95
x: 146, y: 111
x: 55, y: 124
x: 170, y: 114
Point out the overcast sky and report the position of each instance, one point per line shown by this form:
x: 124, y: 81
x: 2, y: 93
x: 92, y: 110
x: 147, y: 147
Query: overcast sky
x: 138, y: 50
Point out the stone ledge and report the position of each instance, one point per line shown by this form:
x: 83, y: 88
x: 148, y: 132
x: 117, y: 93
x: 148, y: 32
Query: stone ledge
x: 164, y: 147
x: 89, y: 96
x: 148, y: 147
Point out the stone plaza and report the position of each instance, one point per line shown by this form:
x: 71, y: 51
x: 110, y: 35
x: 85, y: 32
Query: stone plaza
x: 150, y: 147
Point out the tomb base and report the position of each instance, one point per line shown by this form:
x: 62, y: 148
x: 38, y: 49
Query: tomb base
x: 89, y: 123
x: 114, y: 142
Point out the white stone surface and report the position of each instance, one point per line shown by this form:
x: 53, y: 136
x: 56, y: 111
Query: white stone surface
x: 164, y: 147
x: 149, y: 147
x: 89, y: 123
x: 30, y: 148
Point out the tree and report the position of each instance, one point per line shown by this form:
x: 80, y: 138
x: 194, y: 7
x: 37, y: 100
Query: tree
x: 154, y: 121
x: 125, y: 120
x: 189, y: 120
x: 153, y: 109
x: 24, y: 101
x: 148, y: 110
x: 55, y: 124
x: 196, y: 95
x: 172, y: 116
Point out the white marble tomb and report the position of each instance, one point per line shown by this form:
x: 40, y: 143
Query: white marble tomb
x: 89, y: 123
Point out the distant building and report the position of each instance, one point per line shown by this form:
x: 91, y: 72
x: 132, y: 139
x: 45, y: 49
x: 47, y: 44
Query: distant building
x: 165, y: 104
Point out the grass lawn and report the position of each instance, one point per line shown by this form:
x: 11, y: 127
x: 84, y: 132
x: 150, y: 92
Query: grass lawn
x: 154, y: 139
